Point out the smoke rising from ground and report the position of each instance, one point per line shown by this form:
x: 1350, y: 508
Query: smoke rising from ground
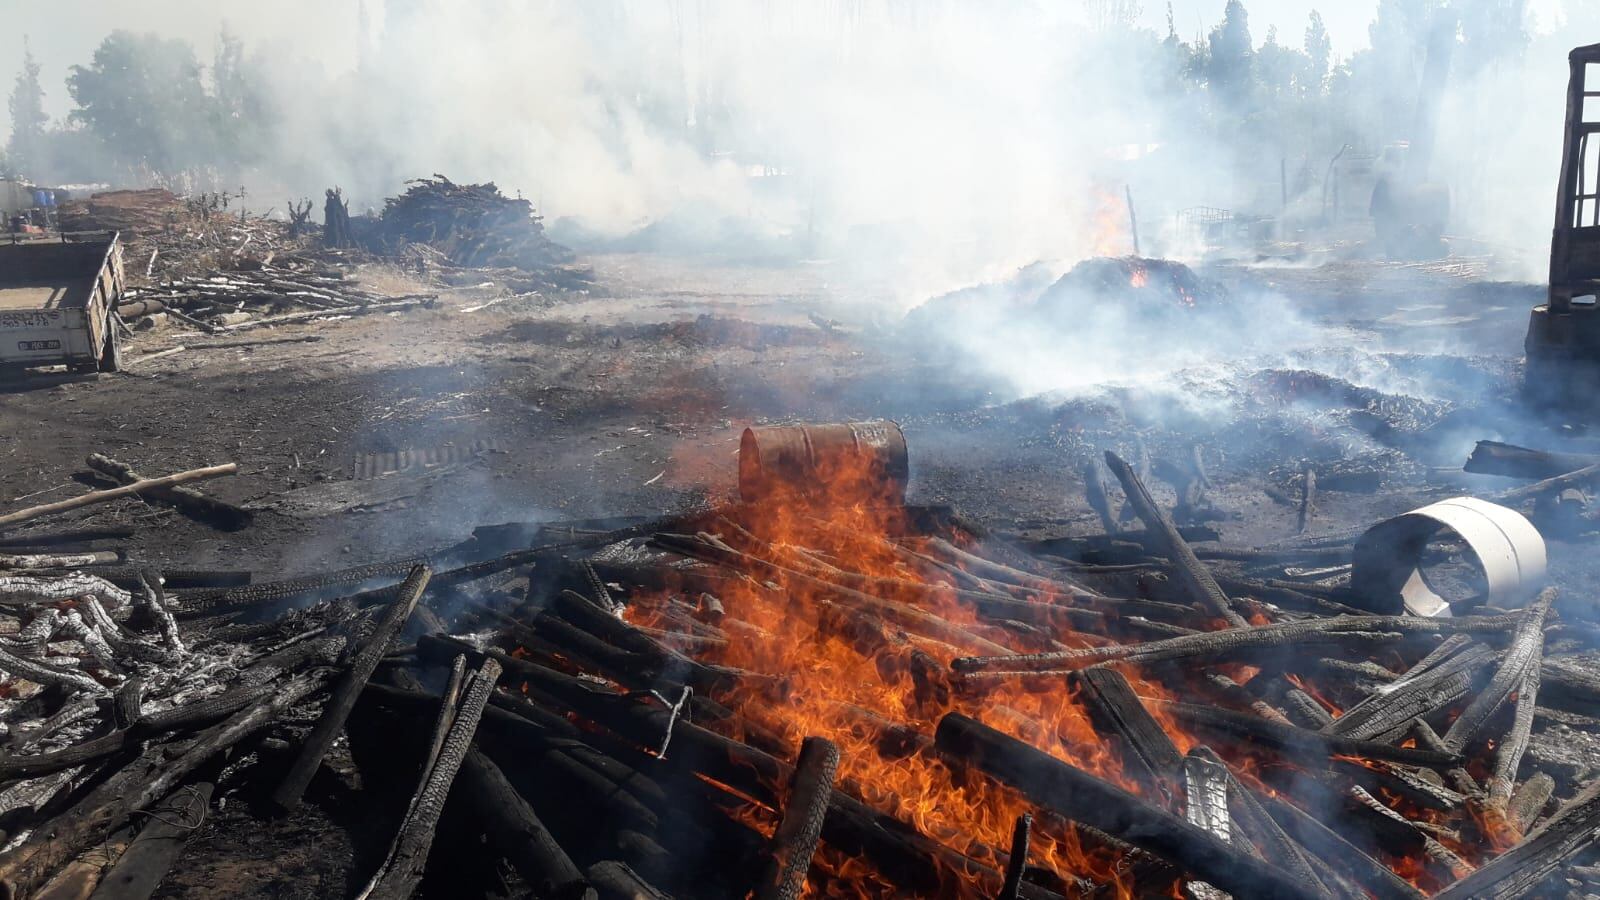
x: 923, y: 145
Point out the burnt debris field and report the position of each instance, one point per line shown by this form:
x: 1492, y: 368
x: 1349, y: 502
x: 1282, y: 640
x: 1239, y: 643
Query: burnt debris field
x: 789, y: 539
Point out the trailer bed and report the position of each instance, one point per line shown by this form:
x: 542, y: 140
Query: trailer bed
x: 56, y: 303
x: 57, y: 294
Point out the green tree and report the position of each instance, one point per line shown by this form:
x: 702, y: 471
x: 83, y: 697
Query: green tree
x: 1318, y: 48
x: 1232, y: 54
x: 142, y: 96
x: 1491, y: 31
x: 238, y: 107
x: 27, y: 115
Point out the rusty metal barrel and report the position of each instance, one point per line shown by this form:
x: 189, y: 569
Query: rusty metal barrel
x: 801, y: 459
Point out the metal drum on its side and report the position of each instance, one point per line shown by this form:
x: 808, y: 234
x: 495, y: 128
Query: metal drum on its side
x: 801, y: 458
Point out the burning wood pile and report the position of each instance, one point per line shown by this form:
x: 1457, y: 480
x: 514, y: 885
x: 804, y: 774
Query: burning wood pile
x: 822, y: 690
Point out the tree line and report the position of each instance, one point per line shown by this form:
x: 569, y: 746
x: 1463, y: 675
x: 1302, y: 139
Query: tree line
x: 146, y: 108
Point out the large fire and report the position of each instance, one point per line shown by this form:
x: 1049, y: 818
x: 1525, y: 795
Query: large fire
x: 875, y: 689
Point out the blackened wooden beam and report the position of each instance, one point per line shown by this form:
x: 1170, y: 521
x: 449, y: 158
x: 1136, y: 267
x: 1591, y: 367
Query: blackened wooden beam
x: 1117, y: 710
x: 795, y: 841
x: 348, y: 689
x: 1524, y: 654
x: 1079, y: 796
x: 1018, y: 862
x: 1192, y: 573
x: 1290, y: 739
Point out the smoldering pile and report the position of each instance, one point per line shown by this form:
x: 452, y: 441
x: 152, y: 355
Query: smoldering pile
x: 472, y: 226
x: 1136, y: 291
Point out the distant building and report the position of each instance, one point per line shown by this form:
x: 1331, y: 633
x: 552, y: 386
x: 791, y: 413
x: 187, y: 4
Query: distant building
x: 15, y: 197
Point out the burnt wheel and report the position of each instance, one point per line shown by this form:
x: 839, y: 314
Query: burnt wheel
x: 111, y: 354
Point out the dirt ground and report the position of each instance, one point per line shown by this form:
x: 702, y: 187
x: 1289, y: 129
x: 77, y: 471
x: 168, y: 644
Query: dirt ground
x: 628, y: 400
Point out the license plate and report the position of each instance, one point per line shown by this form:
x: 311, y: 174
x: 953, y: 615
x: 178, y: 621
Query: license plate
x: 38, y: 345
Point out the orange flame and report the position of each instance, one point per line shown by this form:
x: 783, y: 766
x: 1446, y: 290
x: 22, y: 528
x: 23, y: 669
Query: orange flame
x: 877, y: 685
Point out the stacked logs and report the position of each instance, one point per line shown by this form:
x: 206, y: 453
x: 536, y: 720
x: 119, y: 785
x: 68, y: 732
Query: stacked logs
x: 223, y: 302
x: 473, y: 225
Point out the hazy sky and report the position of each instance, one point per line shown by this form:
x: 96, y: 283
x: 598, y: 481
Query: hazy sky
x: 65, y: 32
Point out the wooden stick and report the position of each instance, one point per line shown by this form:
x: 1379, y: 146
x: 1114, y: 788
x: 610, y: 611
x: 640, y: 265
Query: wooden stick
x: 146, y: 861
x: 616, y: 881
x: 348, y: 690
x: 1529, y: 800
x: 173, y: 351
x: 1205, y: 791
x: 1260, y: 732
x: 187, y: 319
x: 1581, y: 478
x: 513, y: 829
x: 256, y: 342
x: 1308, y: 501
x: 1116, y: 709
x: 1330, y: 847
x: 400, y: 874
x: 127, y: 490
x: 185, y: 498
x: 1094, y: 489
x: 1192, y: 574
x: 1495, y: 458
x: 795, y: 841
x: 1215, y: 643
x: 1254, y: 822
x: 1508, y: 752
x: 1017, y: 864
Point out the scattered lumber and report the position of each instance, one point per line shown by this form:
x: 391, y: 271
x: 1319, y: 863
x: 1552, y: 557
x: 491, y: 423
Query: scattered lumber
x: 637, y: 697
x: 127, y: 490
x: 206, y: 508
x: 473, y: 224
